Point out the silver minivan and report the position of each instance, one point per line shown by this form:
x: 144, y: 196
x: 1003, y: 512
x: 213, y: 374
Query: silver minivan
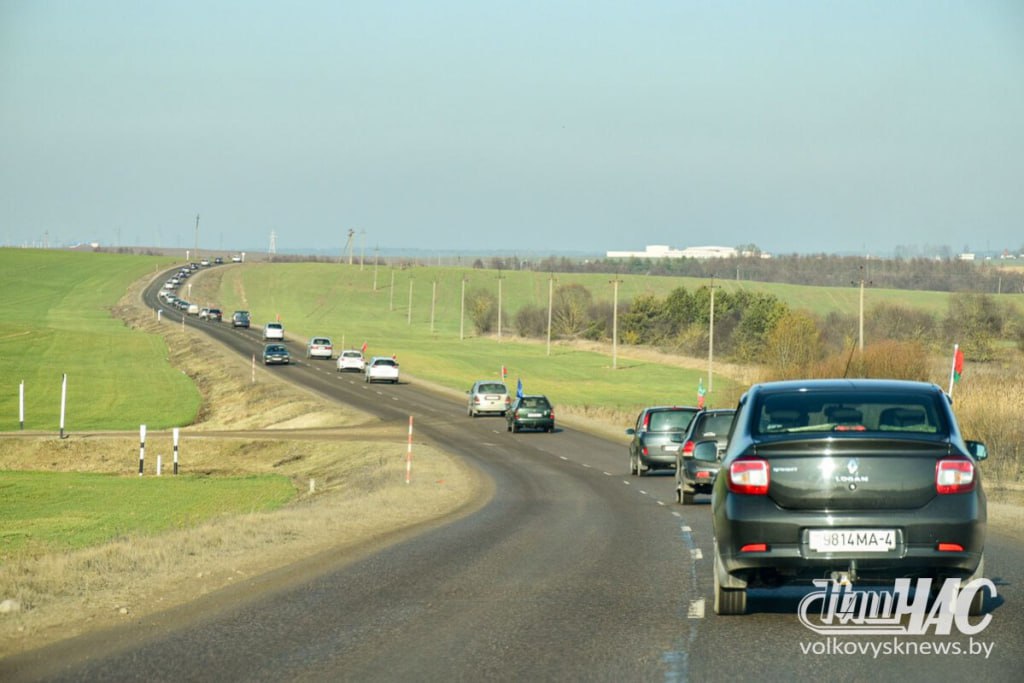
x: 488, y: 397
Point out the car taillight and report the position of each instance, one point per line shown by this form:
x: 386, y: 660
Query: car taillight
x: 954, y: 475
x: 688, y: 448
x: 551, y: 413
x: 749, y: 476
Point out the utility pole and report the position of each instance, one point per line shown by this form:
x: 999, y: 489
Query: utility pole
x: 711, y: 334
x: 500, y: 278
x: 860, y: 330
x: 860, y: 318
x: 462, y: 310
x: 197, y: 237
x: 409, y: 319
x: 362, y: 248
x: 615, y: 323
x: 375, y: 260
x: 391, y: 298
x: 433, y: 304
x: 551, y: 300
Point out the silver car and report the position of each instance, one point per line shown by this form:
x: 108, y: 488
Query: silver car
x: 487, y: 396
x: 320, y: 347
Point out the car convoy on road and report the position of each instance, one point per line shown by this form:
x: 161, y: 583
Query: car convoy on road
x: 848, y: 479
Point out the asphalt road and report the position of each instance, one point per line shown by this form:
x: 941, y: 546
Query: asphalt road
x: 574, y: 571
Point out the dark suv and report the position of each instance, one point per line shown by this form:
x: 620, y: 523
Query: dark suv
x: 657, y: 436
x: 240, y: 319
x: 696, y: 471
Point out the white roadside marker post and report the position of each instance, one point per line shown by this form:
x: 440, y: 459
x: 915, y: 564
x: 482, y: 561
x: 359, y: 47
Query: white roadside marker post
x: 142, y: 447
x: 63, y: 401
x: 175, y: 450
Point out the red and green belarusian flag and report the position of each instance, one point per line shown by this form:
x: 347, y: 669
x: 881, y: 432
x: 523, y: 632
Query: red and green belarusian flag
x: 958, y: 367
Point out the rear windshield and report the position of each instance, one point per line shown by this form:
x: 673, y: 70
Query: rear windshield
x: 494, y: 388
x: 535, y: 402
x: 670, y: 420
x: 714, y: 425
x: 854, y: 412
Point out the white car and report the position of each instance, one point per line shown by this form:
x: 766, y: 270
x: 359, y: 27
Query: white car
x: 351, y: 359
x: 382, y: 369
x: 273, y: 331
x: 320, y: 347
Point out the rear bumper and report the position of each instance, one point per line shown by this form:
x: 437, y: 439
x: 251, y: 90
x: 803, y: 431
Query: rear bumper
x: 959, y: 520
x: 536, y: 423
x: 656, y: 460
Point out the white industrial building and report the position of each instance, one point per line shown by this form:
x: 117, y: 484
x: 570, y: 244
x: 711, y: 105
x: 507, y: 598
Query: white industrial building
x: 659, y: 251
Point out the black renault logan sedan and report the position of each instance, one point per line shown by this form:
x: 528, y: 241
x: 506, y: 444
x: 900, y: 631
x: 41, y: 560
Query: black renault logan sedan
x: 846, y: 479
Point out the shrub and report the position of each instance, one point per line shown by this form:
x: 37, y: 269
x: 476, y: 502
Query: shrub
x: 532, y: 321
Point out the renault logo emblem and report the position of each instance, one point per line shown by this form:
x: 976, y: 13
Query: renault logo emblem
x: 852, y: 466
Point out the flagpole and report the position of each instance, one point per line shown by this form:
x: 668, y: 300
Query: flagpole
x: 952, y: 370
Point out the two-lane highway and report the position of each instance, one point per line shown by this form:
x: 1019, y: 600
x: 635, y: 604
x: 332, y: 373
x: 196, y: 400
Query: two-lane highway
x: 573, y: 571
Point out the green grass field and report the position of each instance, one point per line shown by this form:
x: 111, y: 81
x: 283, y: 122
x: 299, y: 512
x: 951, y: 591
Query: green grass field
x: 353, y: 304
x: 55, y: 319
x: 56, y: 511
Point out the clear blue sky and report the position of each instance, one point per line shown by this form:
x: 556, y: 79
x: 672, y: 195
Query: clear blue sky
x: 799, y: 126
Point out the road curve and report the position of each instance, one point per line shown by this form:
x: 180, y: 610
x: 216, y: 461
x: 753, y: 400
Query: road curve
x: 572, y: 571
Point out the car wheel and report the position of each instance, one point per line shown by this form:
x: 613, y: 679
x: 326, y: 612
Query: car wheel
x: 728, y: 600
x: 977, y: 607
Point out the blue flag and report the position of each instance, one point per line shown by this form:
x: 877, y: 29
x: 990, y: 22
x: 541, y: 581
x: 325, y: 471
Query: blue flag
x: 519, y: 388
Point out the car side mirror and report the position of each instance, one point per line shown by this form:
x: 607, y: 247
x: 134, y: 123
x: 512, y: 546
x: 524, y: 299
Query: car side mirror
x: 977, y: 449
x: 705, y: 450
x: 630, y: 431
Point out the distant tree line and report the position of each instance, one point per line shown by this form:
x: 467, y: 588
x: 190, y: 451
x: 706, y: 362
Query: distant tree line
x: 822, y: 270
